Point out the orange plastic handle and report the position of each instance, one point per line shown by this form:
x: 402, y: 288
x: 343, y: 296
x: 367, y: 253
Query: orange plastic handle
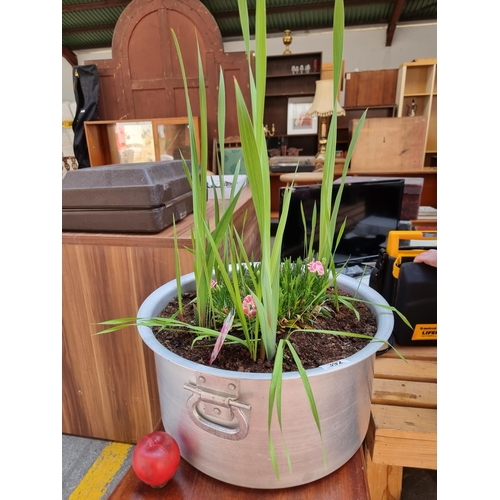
x: 393, y: 249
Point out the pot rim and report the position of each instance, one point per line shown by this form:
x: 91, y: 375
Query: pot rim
x: 385, y: 324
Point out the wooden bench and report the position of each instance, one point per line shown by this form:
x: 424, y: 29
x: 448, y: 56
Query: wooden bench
x: 403, y: 423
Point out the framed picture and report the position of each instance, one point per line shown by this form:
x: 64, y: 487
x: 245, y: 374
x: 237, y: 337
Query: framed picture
x: 131, y: 142
x: 136, y: 141
x: 297, y: 120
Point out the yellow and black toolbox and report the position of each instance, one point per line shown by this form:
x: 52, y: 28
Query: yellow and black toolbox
x: 411, y: 287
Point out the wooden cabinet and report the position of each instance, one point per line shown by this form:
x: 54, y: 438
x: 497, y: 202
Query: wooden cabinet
x: 371, y: 88
x: 133, y: 141
x: 375, y: 90
x: 109, y: 387
x: 290, y: 77
x: 416, y: 94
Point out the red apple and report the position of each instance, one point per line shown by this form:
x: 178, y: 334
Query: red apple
x: 155, y: 458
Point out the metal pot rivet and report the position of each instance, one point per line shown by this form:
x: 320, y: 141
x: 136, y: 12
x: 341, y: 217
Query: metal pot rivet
x: 232, y: 387
x: 201, y: 379
x: 217, y: 411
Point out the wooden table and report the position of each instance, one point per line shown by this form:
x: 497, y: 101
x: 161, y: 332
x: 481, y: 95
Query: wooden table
x: 109, y: 384
x: 402, y: 433
x: 403, y: 423
x: 346, y: 483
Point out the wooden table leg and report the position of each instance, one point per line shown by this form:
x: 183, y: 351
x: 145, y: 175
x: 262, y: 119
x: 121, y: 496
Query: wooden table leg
x: 385, y: 482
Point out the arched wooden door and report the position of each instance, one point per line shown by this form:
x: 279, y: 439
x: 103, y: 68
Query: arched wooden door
x: 143, y: 79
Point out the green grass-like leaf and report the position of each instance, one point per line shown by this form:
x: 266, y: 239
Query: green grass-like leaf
x: 310, y: 395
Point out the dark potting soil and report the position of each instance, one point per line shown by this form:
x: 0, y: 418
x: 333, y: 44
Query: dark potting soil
x: 314, y: 349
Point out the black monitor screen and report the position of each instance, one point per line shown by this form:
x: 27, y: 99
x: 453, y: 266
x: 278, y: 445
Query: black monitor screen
x: 372, y: 209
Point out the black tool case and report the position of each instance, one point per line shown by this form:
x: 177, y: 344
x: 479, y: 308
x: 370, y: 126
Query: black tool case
x: 137, y: 197
x: 411, y: 287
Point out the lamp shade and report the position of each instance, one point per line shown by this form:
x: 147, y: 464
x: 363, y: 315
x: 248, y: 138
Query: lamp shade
x: 323, y: 100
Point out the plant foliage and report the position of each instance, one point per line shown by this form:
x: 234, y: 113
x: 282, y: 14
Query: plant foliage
x: 256, y: 301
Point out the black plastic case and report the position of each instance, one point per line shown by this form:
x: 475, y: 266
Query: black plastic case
x: 411, y: 287
x: 137, y: 197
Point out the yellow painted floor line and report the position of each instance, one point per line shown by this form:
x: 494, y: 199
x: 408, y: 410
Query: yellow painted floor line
x: 95, y: 483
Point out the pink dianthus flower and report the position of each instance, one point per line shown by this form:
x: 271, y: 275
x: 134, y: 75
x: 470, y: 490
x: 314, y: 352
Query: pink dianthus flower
x: 315, y: 266
x: 249, y: 307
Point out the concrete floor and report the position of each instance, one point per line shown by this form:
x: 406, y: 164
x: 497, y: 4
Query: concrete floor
x: 81, y: 455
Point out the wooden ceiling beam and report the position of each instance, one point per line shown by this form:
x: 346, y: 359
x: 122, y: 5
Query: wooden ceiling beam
x: 102, y: 4
x: 70, y: 56
x: 393, y: 22
x: 88, y: 29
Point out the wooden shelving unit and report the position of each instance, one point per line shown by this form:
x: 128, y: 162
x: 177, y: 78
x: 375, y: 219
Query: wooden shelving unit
x: 417, y: 83
x: 281, y: 84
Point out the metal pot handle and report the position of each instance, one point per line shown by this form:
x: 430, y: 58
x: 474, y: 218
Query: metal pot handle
x: 221, y: 406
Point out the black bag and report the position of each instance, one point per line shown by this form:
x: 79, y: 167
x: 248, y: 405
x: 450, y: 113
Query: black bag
x: 86, y: 89
x: 411, y: 287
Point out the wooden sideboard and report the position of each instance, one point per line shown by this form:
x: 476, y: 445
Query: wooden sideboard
x: 109, y: 384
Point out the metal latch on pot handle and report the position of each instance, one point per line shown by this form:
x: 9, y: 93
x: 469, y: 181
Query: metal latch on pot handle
x: 214, y: 407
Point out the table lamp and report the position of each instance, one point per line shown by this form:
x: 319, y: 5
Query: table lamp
x: 323, y: 106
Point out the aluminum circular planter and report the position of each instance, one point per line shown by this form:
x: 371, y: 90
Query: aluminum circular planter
x: 219, y: 418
